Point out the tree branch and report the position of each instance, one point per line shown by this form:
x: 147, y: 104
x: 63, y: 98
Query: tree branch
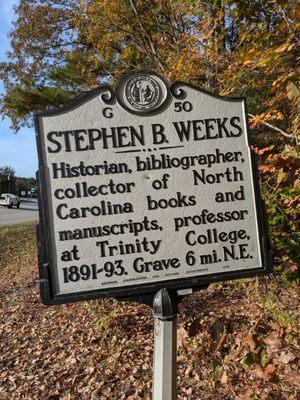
x: 147, y: 35
x: 273, y: 127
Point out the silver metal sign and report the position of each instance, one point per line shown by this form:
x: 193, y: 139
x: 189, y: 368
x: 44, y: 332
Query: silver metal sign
x: 144, y: 187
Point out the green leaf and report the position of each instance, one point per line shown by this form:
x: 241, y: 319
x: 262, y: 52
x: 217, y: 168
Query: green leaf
x: 263, y: 358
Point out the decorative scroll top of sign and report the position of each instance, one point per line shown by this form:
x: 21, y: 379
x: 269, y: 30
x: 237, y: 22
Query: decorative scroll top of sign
x: 147, y: 93
x: 142, y: 92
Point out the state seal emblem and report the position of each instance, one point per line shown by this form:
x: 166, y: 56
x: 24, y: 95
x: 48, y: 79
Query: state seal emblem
x: 142, y: 93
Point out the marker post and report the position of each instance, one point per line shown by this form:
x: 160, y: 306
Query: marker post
x: 165, y: 309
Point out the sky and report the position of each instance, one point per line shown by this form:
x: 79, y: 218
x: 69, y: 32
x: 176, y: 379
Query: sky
x: 16, y: 149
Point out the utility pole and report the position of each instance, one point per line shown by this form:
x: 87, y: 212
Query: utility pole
x: 8, y: 178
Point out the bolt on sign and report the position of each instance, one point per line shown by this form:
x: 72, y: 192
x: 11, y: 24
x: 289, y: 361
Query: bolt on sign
x: 145, y: 186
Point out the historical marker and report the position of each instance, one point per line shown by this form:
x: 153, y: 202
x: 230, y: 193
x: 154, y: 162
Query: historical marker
x: 144, y: 187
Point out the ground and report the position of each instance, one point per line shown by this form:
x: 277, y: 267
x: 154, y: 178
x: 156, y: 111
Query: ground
x: 236, y: 340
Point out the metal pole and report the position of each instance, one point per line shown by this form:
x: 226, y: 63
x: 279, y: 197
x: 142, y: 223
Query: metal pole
x: 165, y: 346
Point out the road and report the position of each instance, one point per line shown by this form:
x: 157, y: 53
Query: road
x: 26, y: 212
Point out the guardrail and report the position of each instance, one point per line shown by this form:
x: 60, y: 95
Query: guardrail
x: 28, y: 200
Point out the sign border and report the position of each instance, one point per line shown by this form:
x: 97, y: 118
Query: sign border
x: 134, y: 292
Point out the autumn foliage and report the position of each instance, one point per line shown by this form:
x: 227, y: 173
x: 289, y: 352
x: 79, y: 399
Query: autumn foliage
x: 61, y: 48
x: 236, y: 341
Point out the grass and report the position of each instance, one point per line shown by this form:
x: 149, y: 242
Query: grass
x: 17, y: 251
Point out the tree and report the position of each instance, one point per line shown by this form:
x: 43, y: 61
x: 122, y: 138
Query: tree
x: 6, y: 170
x: 246, y: 47
x: 7, y: 178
